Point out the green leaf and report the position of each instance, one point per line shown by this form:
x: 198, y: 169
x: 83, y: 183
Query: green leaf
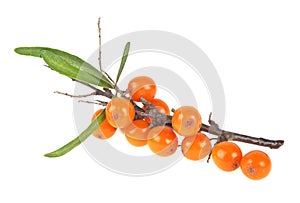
x: 123, y: 61
x: 68, y: 65
x: 78, y: 140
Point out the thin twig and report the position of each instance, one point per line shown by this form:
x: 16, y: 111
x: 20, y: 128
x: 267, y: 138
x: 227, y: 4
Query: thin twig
x: 105, y: 92
x: 100, y: 52
x: 86, y: 84
x: 103, y: 103
x: 99, y: 37
x: 76, y: 96
x: 98, y: 102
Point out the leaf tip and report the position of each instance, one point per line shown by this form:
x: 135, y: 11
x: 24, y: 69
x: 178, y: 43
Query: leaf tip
x: 127, y: 46
x: 48, y: 155
x: 18, y: 50
x: 51, y: 155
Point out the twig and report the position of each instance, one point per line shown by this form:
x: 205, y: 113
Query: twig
x: 86, y: 84
x: 76, y: 96
x: 100, y: 52
x: 106, y: 93
x: 228, y: 135
x: 224, y: 135
x: 99, y: 36
x: 98, y: 102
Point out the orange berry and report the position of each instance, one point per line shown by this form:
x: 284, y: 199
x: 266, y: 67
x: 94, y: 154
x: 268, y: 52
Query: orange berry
x: 196, y: 147
x: 162, y: 140
x: 136, y: 133
x: 186, y: 121
x: 105, y: 130
x: 119, y: 112
x: 227, y: 156
x: 256, y: 165
x: 142, y: 86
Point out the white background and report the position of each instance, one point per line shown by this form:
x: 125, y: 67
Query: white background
x: 254, y: 46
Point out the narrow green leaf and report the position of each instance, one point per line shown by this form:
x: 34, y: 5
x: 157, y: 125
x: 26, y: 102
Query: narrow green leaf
x: 71, y: 69
x: 85, y: 71
x: 78, y: 140
x: 123, y: 61
x: 37, y: 52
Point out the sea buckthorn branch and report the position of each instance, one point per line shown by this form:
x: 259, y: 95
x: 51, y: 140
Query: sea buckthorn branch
x: 159, y: 119
x: 152, y: 124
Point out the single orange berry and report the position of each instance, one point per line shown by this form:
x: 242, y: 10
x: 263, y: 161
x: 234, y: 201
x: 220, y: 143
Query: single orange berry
x: 227, y: 156
x: 256, y: 165
x: 162, y: 140
x: 105, y: 130
x: 119, y: 112
x: 142, y: 86
x: 136, y: 133
x: 186, y: 121
x: 196, y: 147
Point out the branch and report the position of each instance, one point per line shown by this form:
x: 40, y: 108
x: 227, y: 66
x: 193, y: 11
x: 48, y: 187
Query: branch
x: 213, y: 128
x: 228, y: 135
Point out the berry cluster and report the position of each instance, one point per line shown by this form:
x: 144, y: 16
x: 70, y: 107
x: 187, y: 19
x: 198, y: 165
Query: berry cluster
x: 146, y: 120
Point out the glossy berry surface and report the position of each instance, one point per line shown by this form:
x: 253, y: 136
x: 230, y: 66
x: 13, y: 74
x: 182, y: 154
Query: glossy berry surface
x: 227, y: 156
x: 119, y: 112
x: 142, y: 86
x: 186, y: 121
x: 136, y: 133
x: 105, y: 130
x: 196, y: 147
x: 256, y: 165
x: 162, y: 141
